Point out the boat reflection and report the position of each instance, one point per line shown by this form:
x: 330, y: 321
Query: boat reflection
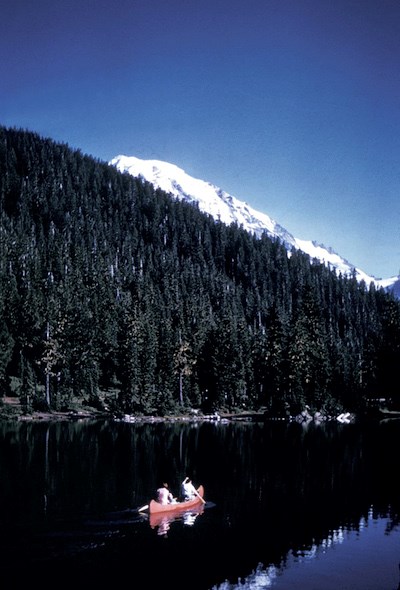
x: 162, y: 521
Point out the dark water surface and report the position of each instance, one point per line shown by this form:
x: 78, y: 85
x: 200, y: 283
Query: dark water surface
x: 288, y: 506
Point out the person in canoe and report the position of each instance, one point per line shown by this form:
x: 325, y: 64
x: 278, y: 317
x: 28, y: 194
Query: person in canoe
x: 188, y: 491
x: 164, y: 496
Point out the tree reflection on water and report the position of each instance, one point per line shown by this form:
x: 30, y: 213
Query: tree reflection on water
x: 315, y: 504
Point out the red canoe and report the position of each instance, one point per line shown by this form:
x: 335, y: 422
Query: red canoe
x: 163, y: 520
x: 156, y: 507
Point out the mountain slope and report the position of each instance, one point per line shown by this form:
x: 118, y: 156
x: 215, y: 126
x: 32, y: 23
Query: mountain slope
x: 228, y: 209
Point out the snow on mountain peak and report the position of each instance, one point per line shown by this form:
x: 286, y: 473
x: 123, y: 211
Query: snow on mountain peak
x: 210, y: 198
x: 228, y: 209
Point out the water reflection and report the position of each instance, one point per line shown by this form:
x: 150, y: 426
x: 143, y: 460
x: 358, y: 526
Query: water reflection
x: 72, y: 490
x: 368, y: 544
x: 162, y: 522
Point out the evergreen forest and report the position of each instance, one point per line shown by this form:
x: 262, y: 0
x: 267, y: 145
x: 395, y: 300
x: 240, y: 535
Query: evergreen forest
x: 117, y: 296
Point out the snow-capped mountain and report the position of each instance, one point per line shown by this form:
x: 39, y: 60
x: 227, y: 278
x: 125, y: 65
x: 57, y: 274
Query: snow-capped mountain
x: 228, y: 209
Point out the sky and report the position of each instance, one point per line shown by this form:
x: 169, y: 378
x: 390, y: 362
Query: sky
x: 290, y: 105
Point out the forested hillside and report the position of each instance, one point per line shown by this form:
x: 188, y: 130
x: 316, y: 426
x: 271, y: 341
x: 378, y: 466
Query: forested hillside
x: 110, y: 290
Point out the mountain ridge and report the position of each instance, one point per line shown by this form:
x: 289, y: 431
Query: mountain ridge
x: 225, y: 207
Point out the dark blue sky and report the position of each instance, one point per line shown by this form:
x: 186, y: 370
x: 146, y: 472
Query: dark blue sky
x: 291, y: 105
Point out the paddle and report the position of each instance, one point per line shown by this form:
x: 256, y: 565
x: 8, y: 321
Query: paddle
x: 143, y: 508
x: 198, y: 495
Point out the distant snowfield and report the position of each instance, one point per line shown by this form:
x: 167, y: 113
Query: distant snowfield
x: 228, y: 209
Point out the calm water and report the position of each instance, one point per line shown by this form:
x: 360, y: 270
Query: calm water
x: 288, y: 506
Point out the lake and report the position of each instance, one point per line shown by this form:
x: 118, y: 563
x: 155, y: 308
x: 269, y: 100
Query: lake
x: 287, y: 505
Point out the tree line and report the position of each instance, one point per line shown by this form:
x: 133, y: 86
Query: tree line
x: 112, y: 292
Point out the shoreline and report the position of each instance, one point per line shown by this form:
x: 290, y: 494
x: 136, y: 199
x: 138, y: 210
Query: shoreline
x: 11, y: 410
